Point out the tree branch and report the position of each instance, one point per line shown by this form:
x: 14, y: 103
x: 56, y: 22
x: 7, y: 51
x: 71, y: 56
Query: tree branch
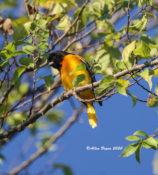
x: 68, y: 94
x: 51, y: 141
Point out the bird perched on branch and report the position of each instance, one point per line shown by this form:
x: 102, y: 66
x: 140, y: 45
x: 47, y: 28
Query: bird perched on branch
x: 67, y: 64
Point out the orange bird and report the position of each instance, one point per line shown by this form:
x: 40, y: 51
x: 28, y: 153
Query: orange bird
x: 66, y: 63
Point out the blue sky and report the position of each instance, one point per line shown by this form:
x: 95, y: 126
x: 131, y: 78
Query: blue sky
x: 116, y: 120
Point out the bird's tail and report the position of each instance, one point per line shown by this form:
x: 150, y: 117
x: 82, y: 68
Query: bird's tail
x: 91, y: 115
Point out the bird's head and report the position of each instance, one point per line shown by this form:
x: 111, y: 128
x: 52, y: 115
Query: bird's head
x: 56, y: 58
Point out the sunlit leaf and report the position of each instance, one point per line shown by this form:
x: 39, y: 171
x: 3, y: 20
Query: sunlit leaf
x: 132, y: 138
x: 147, y: 75
x: 140, y: 133
x: 78, y: 79
x: 151, y: 142
x: 64, y: 23
x: 128, y: 50
x: 142, y: 49
x: 130, y: 149
x: 23, y: 88
x: 80, y: 67
x: 16, y: 118
x: 152, y: 101
x: 106, y: 82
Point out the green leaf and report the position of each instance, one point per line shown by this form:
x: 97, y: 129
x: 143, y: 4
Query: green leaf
x: 124, y: 83
x: 137, y: 153
x: 28, y: 49
x: 156, y: 73
x: 143, y: 2
x: 128, y: 50
x: 20, y: 21
x: 26, y: 61
x: 80, y: 67
x: 11, y: 47
x: 130, y: 149
x: 121, y: 65
x: 23, y: 88
x: 151, y: 142
x: 142, y: 49
x: 27, y: 26
x: 55, y: 116
x: 139, y: 24
x: 18, y: 73
x: 37, y: 126
x: 83, y: 17
x: 132, y: 138
x: 152, y: 101
x: 66, y: 169
x: 134, y: 98
x: 49, y: 80
x: 147, y: 75
x: 105, y: 26
x: 78, y: 79
x: 20, y: 33
x: 16, y: 53
x: 121, y: 89
x: 43, y: 45
x: 8, y: 4
x: 141, y: 133
x: 48, y: 3
x: 102, y: 60
x: 13, y: 96
x: 106, y: 82
x: 16, y: 118
x: 146, y: 145
x: 64, y: 23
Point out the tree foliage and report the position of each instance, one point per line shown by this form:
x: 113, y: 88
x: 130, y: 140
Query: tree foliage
x: 124, y: 56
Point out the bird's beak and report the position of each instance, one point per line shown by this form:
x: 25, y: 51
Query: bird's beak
x: 50, y: 63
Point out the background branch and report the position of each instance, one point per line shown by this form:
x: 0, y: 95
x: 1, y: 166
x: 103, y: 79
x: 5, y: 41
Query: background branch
x: 51, y: 141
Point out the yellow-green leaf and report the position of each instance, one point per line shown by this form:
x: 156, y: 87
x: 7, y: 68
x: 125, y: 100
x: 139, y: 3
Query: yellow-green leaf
x: 78, y: 79
x: 141, y: 133
x: 130, y: 149
x: 152, y: 101
x: 128, y: 50
x: 147, y: 76
x: 132, y: 138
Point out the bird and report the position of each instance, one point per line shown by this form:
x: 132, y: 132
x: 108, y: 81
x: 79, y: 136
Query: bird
x: 66, y: 63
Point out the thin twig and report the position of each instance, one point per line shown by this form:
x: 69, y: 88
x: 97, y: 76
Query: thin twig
x: 80, y: 38
x: 75, y: 21
x: 128, y: 21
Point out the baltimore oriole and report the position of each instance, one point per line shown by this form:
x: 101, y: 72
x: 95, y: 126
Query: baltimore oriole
x: 66, y: 63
